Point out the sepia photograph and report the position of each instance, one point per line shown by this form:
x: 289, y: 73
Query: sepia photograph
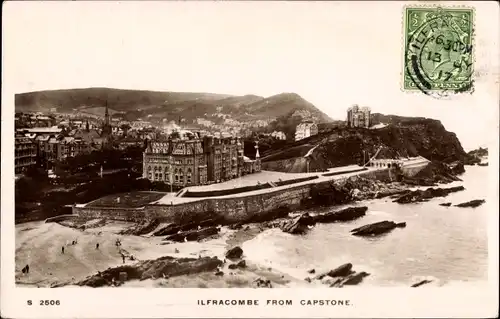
x: 243, y: 145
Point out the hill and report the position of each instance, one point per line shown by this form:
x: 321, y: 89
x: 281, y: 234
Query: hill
x: 290, y: 104
x: 157, y: 106
x: 117, y: 99
x: 403, y: 137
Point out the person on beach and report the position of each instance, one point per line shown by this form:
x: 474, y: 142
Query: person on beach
x: 27, y: 269
x: 62, y: 249
x: 97, y: 246
x: 123, y: 257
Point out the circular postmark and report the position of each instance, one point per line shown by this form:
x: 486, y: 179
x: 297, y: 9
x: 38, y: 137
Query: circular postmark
x: 438, y: 53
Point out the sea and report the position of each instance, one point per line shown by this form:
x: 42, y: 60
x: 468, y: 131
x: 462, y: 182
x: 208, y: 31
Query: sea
x: 448, y: 245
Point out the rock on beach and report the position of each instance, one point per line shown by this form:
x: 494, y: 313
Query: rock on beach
x: 377, y: 228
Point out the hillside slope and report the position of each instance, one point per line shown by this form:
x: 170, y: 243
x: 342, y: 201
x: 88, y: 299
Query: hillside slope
x: 157, y: 106
x: 286, y: 104
x: 117, y: 99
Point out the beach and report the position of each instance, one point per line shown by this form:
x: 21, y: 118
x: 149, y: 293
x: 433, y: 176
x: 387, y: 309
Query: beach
x: 453, y: 248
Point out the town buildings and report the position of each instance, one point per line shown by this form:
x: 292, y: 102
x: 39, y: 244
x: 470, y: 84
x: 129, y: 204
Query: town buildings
x: 305, y: 129
x: 33, y: 120
x: 279, y: 135
x: 357, y: 117
x: 57, y: 147
x: 185, y: 159
x: 25, y: 153
x: 49, y: 144
x: 138, y: 125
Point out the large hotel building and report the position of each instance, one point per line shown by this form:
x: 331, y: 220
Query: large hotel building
x: 191, y: 160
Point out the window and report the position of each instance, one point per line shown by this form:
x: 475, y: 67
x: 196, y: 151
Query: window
x: 161, y: 176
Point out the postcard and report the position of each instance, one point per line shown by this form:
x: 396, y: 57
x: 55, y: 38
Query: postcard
x: 250, y: 159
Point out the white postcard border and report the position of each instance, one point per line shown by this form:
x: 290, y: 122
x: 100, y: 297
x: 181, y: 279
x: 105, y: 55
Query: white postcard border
x: 481, y: 301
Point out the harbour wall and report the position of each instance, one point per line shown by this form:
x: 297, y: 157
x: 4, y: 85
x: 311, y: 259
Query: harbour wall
x: 231, y: 208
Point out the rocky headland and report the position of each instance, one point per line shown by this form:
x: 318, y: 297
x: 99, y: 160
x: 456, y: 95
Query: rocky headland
x: 477, y: 156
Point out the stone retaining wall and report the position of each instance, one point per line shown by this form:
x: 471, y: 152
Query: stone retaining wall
x: 290, y: 165
x: 232, y: 209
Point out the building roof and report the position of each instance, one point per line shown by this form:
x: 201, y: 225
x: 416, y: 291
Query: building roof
x: 22, y: 140
x: 247, y: 159
x: 42, y: 138
x: 42, y: 130
x: 305, y: 125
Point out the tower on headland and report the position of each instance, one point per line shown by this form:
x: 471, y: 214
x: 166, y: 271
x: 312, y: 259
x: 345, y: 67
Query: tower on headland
x: 357, y: 117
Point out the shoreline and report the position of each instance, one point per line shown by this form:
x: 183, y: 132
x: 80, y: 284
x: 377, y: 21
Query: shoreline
x: 151, y: 247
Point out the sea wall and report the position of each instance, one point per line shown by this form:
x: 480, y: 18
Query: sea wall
x: 230, y: 208
x: 116, y: 213
x: 413, y: 169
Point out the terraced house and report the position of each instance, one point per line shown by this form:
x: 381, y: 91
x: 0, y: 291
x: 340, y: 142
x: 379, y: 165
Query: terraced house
x: 25, y: 153
x: 187, y: 159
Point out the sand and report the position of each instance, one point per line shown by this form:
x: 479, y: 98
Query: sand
x: 39, y: 244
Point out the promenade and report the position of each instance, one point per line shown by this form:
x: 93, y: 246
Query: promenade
x: 138, y: 200
x: 265, y: 177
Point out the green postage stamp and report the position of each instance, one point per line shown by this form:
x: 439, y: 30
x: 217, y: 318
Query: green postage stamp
x: 438, y: 53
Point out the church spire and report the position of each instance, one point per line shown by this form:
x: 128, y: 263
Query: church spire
x: 106, y: 115
x: 106, y: 128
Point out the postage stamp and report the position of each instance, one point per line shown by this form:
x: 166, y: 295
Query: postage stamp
x: 438, y: 53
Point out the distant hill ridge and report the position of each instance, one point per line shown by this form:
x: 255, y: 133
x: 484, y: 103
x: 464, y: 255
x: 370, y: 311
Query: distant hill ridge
x: 171, y: 105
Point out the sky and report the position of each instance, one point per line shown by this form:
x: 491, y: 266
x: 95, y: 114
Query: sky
x: 333, y: 54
